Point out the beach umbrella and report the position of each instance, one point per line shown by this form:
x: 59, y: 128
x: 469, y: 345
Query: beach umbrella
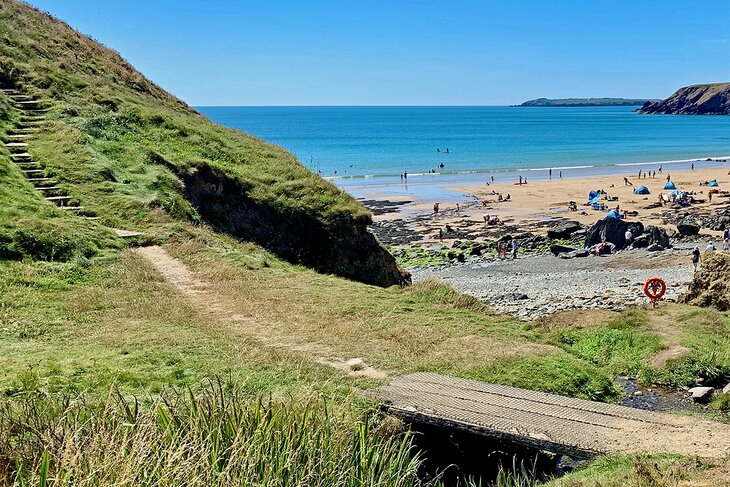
x: 670, y: 185
x: 641, y: 190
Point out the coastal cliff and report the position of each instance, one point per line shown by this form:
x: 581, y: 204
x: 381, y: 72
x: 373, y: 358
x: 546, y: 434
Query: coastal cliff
x: 584, y: 102
x: 709, y: 99
x: 135, y: 156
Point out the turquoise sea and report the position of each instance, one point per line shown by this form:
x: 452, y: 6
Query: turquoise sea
x: 369, y: 147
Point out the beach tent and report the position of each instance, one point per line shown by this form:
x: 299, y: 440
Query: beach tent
x: 641, y: 190
x: 594, y: 197
x: 713, y: 183
x: 670, y: 185
x: 613, y: 214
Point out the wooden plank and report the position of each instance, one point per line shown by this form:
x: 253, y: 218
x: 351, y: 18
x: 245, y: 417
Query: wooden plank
x: 547, y: 421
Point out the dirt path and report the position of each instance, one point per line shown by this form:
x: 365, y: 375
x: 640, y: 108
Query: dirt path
x: 223, y: 311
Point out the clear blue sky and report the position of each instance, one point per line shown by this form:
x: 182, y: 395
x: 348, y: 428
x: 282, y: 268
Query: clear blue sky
x: 390, y: 52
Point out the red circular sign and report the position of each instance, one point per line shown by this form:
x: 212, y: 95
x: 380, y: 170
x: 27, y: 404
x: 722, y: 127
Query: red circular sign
x: 654, y: 288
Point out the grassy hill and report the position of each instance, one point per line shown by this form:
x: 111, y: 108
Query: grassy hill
x: 231, y: 372
x: 583, y: 102
x: 140, y: 158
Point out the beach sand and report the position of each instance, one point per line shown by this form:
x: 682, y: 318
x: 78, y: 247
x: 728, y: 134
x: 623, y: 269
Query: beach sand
x: 533, y: 206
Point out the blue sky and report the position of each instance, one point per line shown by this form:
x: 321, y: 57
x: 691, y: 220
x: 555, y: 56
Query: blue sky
x: 389, y: 52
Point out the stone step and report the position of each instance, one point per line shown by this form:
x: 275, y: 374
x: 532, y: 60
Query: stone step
x: 71, y: 208
x: 28, y: 102
x: 47, y: 188
x: 34, y: 171
x: 89, y: 217
x: 16, y: 144
x: 18, y: 96
x: 18, y: 136
x: 28, y: 163
x: 127, y: 233
x: 20, y: 155
x: 57, y: 198
x: 24, y: 130
x: 41, y: 180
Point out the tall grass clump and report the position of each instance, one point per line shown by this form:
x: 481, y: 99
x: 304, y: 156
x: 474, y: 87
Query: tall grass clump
x: 215, y: 436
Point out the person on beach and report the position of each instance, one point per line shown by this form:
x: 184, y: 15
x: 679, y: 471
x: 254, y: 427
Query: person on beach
x: 514, y: 249
x: 405, y: 175
x: 726, y: 245
x: 441, y: 234
x: 561, y: 175
x: 710, y: 247
x: 435, y: 207
x: 696, y: 257
x: 628, y: 236
x: 550, y: 174
x: 639, y: 173
x: 627, y: 182
x: 520, y: 180
x: 692, y: 168
x: 660, y: 169
x: 669, y: 177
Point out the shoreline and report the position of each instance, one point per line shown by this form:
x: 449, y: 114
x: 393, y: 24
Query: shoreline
x: 458, y: 187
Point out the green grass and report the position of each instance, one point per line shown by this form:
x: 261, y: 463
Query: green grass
x: 213, y: 436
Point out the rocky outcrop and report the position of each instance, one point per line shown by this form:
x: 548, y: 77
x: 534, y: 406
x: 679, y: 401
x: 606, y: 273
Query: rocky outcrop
x: 711, y: 284
x: 345, y: 248
x: 563, y: 229
x: 612, y: 230
x: 711, y: 99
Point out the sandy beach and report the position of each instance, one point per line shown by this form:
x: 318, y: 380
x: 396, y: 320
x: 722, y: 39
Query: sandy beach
x: 533, y: 206
x: 421, y: 238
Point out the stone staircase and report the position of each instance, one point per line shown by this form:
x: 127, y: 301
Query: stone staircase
x: 18, y: 141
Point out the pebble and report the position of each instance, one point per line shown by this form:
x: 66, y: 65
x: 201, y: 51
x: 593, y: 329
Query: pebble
x: 554, y: 285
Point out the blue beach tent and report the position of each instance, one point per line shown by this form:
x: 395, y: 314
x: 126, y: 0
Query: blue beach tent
x: 670, y: 185
x: 713, y: 183
x: 641, y: 190
x: 594, y: 197
x: 613, y: 214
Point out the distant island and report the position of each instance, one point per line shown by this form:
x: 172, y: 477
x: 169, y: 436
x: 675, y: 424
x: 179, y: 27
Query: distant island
x: 584, y: 102
x: 709, y: 99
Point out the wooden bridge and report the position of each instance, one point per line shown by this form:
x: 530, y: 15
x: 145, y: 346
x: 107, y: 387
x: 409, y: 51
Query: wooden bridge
x: 549, y: 422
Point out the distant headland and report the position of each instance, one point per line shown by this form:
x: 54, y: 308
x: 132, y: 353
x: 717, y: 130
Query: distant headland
x: 584, y: 102
x: 709, y: 99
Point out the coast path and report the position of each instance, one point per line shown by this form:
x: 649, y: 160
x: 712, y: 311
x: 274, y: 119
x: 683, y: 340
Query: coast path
x: 222, y: 310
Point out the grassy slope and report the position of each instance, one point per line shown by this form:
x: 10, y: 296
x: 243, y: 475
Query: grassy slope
x: 113, y: 135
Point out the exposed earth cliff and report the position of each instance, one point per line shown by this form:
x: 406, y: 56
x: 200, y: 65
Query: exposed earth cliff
x: 711, y: 99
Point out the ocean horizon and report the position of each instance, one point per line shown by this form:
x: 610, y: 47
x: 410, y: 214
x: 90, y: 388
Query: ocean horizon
x: 365, y: 147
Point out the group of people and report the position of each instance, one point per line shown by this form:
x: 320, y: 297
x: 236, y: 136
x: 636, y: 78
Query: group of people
x: 507, y: 249
x: 696, y: 255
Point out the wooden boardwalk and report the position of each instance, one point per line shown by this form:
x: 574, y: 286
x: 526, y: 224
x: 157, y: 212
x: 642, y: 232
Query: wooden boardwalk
x: 549, y: 422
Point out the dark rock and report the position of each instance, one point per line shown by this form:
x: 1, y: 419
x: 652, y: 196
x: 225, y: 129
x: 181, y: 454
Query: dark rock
x: 563, y: 229
x: 701, y: 394
x: 561, y: 249
x: 461, y: 257
x: 612, y: 230
x: 654, y: 248
x: 657, y: 236
x: 574, y: 253
x: 688, y: 227
x: 476, y: 250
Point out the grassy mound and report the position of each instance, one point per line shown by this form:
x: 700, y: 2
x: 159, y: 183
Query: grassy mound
x: 140, y: 158
x: 710, y: 286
